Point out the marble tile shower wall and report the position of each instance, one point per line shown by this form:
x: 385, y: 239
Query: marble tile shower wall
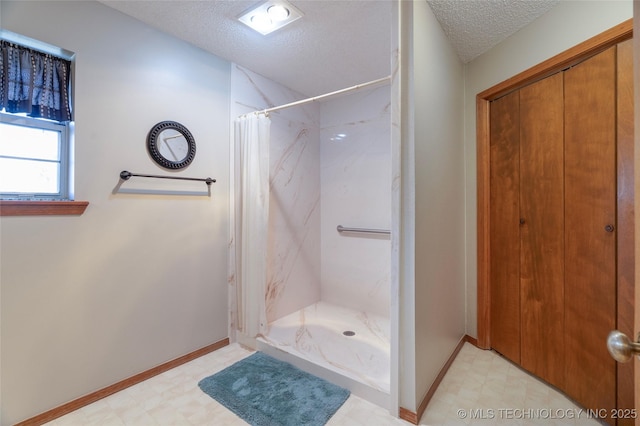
x: 308, y: 260
x: 355, y: 163
x: 293, y: 277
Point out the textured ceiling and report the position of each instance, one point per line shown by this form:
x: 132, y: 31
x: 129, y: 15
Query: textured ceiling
x: 473, y: 27
x: 337, y: 43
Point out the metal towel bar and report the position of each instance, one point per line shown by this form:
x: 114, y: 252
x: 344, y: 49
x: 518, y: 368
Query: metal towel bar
x: 341, y: 228
x: 125, y: 175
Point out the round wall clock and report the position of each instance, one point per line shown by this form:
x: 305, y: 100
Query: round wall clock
x: 171, y: 145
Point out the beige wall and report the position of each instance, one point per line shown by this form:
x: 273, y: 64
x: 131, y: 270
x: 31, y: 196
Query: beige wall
x: 139, y: 279
x: 432, y: 283
x: 439, y: 176
x: 564, y: 26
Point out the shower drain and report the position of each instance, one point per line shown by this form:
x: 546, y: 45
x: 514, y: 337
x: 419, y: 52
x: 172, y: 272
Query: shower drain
x: 349, y: 333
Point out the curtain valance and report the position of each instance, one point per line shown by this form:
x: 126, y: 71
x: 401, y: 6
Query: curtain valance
x: 34, y: 83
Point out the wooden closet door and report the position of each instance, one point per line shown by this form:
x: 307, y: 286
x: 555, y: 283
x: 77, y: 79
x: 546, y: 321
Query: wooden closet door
x: 626, y: 226
x: 504, y: 226
x: 542, y: 228
x: 590, y: 235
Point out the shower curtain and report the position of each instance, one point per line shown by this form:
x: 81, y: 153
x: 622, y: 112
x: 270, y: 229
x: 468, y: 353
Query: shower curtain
x: 251, y: 221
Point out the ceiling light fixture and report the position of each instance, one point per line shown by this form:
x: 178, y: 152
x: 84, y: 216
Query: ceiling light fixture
x: 270, y: 16
x: 278, y: 12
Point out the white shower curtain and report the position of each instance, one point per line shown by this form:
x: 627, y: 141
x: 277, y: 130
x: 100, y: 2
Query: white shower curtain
x: 251, y: 221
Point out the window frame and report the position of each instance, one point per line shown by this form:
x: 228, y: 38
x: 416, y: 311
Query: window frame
x: 65, y: 178
x: 36, y: 207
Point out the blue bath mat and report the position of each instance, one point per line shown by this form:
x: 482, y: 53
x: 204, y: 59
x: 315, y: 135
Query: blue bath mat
x: 264, y: 391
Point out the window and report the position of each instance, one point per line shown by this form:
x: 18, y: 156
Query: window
x: 34, y: 158
x: 36, y: 123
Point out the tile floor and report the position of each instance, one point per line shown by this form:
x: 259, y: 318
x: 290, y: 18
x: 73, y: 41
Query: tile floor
x: 480, y: 388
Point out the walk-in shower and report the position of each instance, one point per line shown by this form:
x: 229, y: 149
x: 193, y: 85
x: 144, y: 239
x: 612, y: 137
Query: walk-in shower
x: 326, y: 287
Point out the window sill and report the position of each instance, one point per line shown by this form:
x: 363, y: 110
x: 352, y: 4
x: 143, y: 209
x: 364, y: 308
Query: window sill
x: 42, y: 208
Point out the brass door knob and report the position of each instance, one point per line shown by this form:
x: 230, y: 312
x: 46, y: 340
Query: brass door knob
x: 621, y: 348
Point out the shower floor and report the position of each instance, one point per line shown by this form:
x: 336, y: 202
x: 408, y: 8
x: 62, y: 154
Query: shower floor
x: 315, y: 333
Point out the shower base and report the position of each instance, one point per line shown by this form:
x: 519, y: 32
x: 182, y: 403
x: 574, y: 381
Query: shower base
x: 346, y: 347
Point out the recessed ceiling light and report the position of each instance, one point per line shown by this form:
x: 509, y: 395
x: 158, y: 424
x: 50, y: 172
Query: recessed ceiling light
x: 278, y: 12
x: 270, y: 16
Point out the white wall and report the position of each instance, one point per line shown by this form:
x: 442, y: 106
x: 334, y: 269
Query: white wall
x: 564, y: 26
x: 139, y: 279
x: 355, y: 158
x: 432, y: 271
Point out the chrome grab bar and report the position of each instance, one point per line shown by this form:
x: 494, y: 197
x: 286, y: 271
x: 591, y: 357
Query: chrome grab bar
x: 341, y: 228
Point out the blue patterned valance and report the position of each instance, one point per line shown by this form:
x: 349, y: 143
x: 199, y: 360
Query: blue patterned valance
x: 34, y: 83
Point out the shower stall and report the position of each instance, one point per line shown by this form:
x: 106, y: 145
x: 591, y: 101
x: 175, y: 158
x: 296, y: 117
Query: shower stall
x: 326, y: 289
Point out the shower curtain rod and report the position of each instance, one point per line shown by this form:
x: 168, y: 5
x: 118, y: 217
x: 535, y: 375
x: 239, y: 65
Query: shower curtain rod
x: 317, y: 98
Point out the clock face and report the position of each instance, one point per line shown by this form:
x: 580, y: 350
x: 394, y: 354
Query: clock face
x: 171, y: 145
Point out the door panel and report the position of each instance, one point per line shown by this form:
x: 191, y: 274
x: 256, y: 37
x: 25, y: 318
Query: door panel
x: 505, y: 232
x: 542, y: 230
x: 590, y: 249
x: 636, y: 215
x: 626, y: 228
